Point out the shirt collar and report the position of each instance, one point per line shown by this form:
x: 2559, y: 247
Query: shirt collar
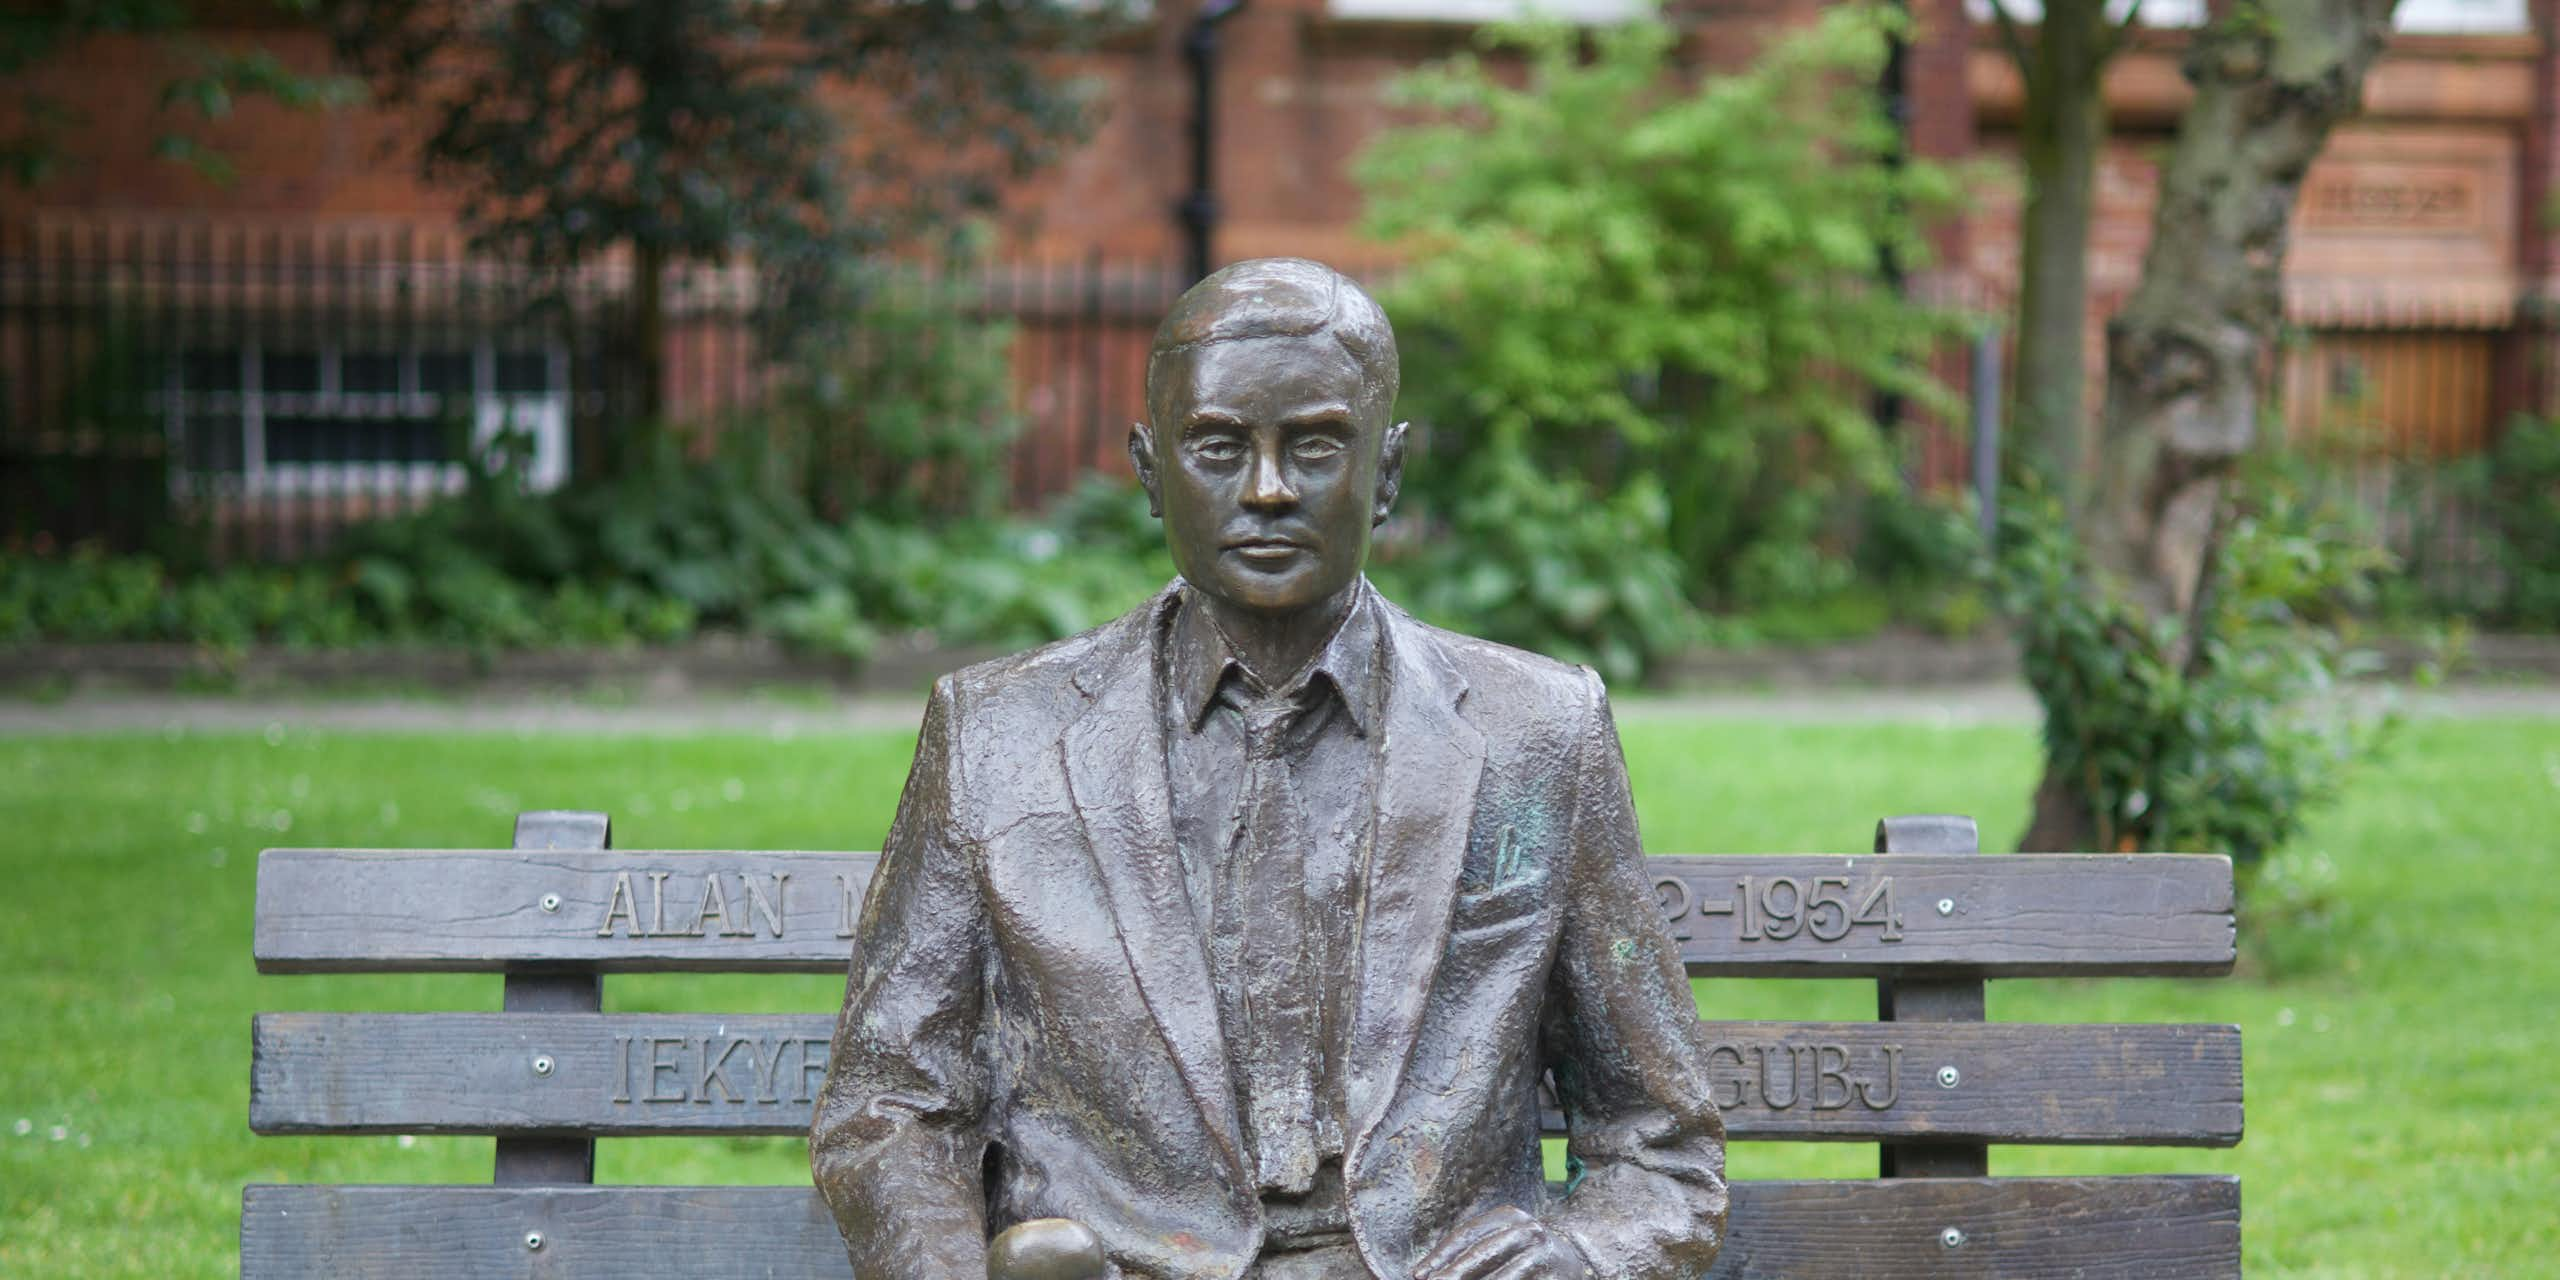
x: 1201, y: 660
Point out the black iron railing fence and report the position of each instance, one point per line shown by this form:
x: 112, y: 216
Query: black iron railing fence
x: 251, y: 391
x: 244, y: 391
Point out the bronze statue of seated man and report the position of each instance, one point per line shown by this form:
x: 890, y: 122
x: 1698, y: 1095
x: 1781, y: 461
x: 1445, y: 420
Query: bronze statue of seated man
x: 1235, y: 937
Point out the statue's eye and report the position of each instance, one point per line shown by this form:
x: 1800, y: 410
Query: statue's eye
x: 1218, y: 448
x: 1316, y: 448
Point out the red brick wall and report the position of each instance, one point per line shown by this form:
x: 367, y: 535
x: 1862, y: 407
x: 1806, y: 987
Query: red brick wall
x: 1302, y: 92
x: 289, y: 164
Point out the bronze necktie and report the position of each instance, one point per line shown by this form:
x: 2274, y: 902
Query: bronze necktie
x: 1266, y: 906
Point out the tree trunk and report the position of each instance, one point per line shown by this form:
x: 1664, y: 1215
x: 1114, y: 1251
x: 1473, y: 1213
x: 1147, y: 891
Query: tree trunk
x: 2060, y: 820
x: 2187, y: 355
x: 2062, y: 136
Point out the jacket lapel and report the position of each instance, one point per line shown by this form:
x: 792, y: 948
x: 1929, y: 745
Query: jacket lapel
x: 1114, y: 758
x: 1432, y: 761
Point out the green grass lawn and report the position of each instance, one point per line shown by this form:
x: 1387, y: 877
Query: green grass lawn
x: 2403, y: 1111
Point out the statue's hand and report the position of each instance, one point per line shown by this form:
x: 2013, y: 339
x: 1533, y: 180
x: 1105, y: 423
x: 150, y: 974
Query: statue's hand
x: 1046, y: 1249
x: 1505, y: 1242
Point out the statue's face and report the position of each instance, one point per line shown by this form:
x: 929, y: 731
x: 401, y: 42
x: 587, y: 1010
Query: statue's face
x: 1266, y: 464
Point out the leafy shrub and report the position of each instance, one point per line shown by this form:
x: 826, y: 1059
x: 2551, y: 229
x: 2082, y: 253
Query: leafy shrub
x: 88, y: 597
x: 681, y: 544
x: 708, y: 536
x: 1925, y: 555
x: 1853, y: 614
x: 2217, y: 732
x: 1919, y: 541
x: 1007, y: 584
x: 648, y: 558
x: 85, y: 597
x: 827, y: 621
x: 2423, y: 509
x: 2524, y: 511
x: 1659, y: 296
x: 1537, y: 562
x: 898, y: 408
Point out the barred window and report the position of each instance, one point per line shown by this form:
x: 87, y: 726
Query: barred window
x: 325, y: 417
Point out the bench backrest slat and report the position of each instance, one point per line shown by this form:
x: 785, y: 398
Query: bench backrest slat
x: 619, y: 1075
x: 325, y: 910
x: 2097, y: 1228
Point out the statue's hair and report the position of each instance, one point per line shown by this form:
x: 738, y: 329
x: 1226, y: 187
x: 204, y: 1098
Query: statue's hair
x: 1280, y: 298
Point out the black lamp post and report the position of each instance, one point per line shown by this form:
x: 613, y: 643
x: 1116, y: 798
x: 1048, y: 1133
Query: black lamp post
x: 1894, y: 91
x: 1198, y: 211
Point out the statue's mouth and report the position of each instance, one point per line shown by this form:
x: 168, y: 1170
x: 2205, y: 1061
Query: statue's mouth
x: 1265, y: 549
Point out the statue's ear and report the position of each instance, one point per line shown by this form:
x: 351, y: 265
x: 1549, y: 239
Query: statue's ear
x: 1390, y: 473
x: 1142, y: 459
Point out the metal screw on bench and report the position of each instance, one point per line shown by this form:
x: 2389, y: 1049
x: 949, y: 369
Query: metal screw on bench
x: 1952, y: 1237
x: 1946, y: 906
x: 542, y: 1064
x: 551, y: 902
x: 533, y: 1241
x: 1949, y: 1077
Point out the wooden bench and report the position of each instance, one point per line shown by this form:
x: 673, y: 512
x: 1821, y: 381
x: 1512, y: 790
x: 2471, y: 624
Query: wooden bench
x: 1930, y: 1081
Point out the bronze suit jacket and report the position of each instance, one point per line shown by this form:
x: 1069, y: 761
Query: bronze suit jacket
x: 1028, y: 1028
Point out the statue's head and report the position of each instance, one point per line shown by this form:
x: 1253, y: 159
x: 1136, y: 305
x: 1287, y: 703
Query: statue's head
x: 1269, y: 452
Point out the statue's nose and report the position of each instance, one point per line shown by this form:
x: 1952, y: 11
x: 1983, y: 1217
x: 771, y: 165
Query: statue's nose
x: 1267, y: 486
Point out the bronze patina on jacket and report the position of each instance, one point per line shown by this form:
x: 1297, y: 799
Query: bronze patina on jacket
x: 1241, y: 931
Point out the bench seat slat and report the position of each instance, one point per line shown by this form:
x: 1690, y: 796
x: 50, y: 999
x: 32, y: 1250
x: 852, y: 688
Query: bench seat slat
x: 2138, y: 1226
x: 621, y: 1075
x: 357, y: 910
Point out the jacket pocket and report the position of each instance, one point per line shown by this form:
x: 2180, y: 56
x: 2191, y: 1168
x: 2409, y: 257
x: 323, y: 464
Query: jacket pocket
x: 1487, y: 909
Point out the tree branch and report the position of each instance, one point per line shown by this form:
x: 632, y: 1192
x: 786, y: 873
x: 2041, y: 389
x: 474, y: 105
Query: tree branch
x: 2116, y: 32
x: 2011, y: 38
